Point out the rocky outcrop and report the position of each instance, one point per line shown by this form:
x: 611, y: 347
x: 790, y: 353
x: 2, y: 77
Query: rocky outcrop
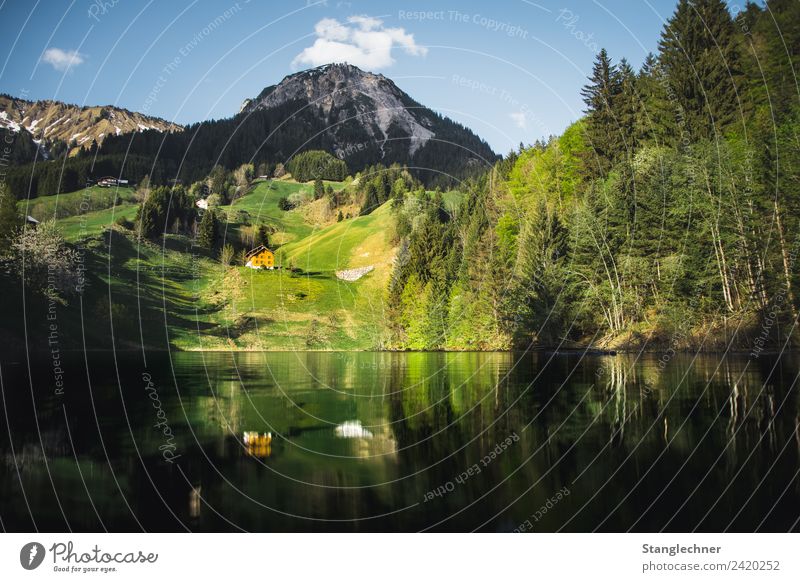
x: 354, y: 274
x: 334, y: 89
x: 48, y: 121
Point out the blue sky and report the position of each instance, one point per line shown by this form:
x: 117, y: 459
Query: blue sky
x: 511, y: 70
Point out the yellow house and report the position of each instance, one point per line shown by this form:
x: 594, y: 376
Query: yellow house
x: 260, y: 258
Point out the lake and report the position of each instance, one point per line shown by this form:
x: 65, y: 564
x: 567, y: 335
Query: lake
x: 309, y: 441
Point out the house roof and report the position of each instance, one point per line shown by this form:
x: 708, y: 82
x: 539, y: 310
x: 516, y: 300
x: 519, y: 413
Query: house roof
x: 259, y: 249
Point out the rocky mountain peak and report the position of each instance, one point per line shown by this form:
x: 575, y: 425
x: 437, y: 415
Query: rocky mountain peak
x: 340, y: 94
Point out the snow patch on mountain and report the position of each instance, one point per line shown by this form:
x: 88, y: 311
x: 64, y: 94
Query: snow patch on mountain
x: 48, y: 121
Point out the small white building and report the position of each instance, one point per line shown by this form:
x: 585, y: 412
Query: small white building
x: 202, y: 203
x: 109, y: 181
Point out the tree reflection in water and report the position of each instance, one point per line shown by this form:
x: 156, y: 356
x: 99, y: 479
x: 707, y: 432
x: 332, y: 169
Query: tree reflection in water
x: 326, y: 441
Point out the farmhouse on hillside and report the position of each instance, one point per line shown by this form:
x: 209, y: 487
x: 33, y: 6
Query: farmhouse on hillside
x: 260, y: 258
x: 109, y: 181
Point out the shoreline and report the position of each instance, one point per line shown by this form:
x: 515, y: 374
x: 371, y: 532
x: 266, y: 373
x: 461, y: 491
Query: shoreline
x: 537, y: 350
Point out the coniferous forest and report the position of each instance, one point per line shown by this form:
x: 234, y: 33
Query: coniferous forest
x: 667, y: 216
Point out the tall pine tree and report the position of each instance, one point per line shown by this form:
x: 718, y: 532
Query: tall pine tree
x: 700, y: 57
x: 208, y: 230
x: 600, y: 97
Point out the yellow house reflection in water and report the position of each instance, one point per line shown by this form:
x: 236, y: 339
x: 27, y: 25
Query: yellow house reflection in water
x: 257, y: 444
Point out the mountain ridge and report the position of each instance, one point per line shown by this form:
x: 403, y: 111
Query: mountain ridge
x: 361, y: 117
x: 49, y: 120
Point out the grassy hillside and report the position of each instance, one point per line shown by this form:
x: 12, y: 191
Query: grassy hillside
x: 94, y: 223
x: 312, y: 308
x: 151, y: 294
x: 345, y: 245
x: 188, y: 300
x: 261, y: 206
x: 89, y: 199
x: 452, y: 200
x: 85, y: 213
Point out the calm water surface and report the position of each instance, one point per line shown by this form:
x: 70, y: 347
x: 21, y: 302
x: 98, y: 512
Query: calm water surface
x: 388, y: 442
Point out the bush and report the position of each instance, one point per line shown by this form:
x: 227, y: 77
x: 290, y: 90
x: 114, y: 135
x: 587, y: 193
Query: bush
x: 261, y: 236
x: 118, y: 314
x: 297, y: 199
x: 242, y: 217
x: 226, y: 255
x: 123, y: 222
x: 46, y: 263
x: 316, y: 336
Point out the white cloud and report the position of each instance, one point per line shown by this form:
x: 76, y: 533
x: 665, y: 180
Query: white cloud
x: 362, y: 41
x: 366, y: 22
x: 62, y: 60
x: 519, y: 119
x: 331, y: 29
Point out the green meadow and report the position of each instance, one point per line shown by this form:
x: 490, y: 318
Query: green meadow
x: 88, y: 200
x: 172, y: 294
